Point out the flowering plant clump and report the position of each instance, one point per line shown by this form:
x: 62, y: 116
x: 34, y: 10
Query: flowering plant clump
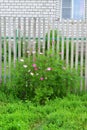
x: 44, y: 78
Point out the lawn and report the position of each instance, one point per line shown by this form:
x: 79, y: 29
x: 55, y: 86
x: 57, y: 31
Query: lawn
x: 68, y: 113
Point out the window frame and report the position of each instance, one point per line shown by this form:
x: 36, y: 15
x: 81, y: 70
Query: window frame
x: 72, y: 11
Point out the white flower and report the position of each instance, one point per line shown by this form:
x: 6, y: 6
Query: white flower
x: 21, y: 60
x: 37, y: 74
x: 29, y: 70
x: 31, y: 73
x: 41, y: 53
x: 33, y: 52
x: 25, y: 66
x: 28, y: 51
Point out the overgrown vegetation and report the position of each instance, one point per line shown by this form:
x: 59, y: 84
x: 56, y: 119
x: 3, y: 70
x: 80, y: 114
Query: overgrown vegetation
x: 69, y: 113
x: 42, y: 78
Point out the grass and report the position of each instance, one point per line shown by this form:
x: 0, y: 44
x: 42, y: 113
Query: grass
x: 69, y: 113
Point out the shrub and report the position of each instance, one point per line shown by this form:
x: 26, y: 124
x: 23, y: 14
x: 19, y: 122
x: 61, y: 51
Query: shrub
x: 43, y: 78
x: 56, y: 33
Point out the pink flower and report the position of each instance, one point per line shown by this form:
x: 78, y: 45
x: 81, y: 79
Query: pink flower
x: 35, y: 68
x: 41, y: 78
x: 34, y: 65
x: 60, y: 53
x: 49, y: 69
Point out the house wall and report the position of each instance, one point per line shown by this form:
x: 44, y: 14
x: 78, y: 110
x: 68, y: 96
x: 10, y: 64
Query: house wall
x: 29, y: 8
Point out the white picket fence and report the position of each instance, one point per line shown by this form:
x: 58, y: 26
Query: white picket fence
x: 18, y: 37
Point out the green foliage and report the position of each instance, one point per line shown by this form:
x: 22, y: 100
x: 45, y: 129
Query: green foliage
x: 43, y: 78
x: 58, y: 35
x: 69, y: 113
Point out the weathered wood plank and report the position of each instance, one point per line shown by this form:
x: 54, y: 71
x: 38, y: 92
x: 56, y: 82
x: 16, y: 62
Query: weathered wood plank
x: 5, y: 54
x: 0, y: 53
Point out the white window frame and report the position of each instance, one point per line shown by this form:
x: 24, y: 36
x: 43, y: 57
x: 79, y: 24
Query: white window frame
x: 72, y: 1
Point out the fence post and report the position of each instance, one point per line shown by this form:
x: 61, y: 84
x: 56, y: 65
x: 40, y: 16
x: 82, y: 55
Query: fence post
x: 58, y: 36
x: 67, y: 43
x: 39, y: 25
x: 72, y: 44
x: 19, y: 38
x: 24, y: 37
x: 14, y: 31
x: 81, y: 62
x: 48, y: 42
x: 0, y: 54
x: 9, y: 45
x: 5, y: 50
x: 62, y: 49
x: 44, y: 35
x: 29, y: 36
x: 86, y: 60
x: 77, y: 44
x: 34, y: 37
x: 53, y: 36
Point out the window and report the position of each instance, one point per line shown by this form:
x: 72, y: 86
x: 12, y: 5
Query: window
x: 73, y: 9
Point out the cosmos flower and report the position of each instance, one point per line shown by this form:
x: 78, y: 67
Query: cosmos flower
x: 31, y: 73
x: 49, y: 69
x: 21, y: 60
x: 41, y: 78
x: 34, y: 65
x: 25, y: 66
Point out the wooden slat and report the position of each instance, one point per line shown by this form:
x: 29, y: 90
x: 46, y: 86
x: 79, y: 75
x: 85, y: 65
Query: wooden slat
x: 77, y: 45
x: 86, y: 60
x: 19, y: 38
x: 14, y: 31
x: 82, y: 42
x: 5, y: 50
x: 9, y: 46
x: 24, y: 37
x: 72, y: 46
x: 62, y: 49
x: 0, y: 54
x: 48, y: 43
x: 43, y: 35
x: 67, y: 44
x: 34, y: 34
x: 34, y: 37
x: 58, y: 36
x: 53, y: 35
x: 39, y: 25
x: 29, y: 40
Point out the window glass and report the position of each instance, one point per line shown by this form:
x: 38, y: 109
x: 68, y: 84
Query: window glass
x: 78, y: 9
x: 66, y: 8
x: 73, y: 9
x: 66, y: 13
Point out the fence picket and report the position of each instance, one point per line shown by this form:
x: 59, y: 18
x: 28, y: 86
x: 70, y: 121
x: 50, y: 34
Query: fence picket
x: 77, y: 45
x: 24, y: 36
x: 86, y: 60
x: 72, y: 46
x: 4, y: 49
x: 9, y: 46
x: 14, y: 32
x: 19, y: 38
x: 48, y: 43
x: 67, y: 43
x: 0, y: 54
x: 29, y: 40
x: 62, y: 56
x: 39, y: 24
x: 53, y: 36
x: 65, y: 28
x: 81, y: 64
x: 44, y: 36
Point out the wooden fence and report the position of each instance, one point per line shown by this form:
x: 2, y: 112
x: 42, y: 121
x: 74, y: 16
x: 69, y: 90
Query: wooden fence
x: 19, y: 36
